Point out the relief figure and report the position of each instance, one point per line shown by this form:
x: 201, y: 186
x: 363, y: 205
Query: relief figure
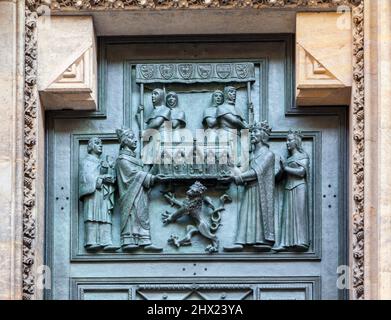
x: 157, y: 120
x: 178, y: 117
x: 229, y: 122
x: 160, y: 113
x: 294, y: 231
x: 255, y: 226
x: 209, y: 119
x: 133, y: 186
x: 228, y: 116
x: 96, y: 192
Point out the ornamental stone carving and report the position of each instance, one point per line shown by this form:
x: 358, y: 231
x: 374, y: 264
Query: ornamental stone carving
x: 192, y: 4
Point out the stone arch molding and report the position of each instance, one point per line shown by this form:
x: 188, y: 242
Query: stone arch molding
x: 35, y: 7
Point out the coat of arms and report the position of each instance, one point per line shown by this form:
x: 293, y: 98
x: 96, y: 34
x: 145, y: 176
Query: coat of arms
x: 185, y: 70
x: 241, y: 70
x: 167, y: 71
x: 223, y: 70
x: 146, y: 71
x: 204, y: 70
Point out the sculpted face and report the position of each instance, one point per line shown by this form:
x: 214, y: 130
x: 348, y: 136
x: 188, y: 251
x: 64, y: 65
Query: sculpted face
x: 95, y: 145
x: 218, y: 98
x: 231, y: 94
x: 130, y: 141
x: 157, y: 97
x: 256, y: 136
x: 291, y: 143
x: 172, y: 100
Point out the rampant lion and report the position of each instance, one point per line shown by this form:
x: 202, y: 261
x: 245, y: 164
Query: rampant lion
x: 193, y: 206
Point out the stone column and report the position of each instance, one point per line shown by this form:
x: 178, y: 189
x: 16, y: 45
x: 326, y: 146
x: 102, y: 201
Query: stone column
x: 377, y: 243
x: 11, y: 146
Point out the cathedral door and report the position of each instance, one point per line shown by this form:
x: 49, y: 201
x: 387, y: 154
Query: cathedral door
x: 197, y: 178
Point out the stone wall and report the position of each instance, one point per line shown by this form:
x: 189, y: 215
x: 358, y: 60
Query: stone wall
x: 11, y: 147
x: 377, y: 232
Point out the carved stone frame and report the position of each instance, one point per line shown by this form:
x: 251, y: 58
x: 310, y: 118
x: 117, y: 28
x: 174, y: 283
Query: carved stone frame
x: 31, y: 105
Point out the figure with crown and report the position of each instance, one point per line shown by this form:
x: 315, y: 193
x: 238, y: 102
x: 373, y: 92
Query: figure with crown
x: 133, y: 186
x: 294, y: 233
x: 256, y: 216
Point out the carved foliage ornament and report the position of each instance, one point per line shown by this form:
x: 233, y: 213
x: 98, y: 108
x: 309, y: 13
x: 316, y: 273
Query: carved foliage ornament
x: 30, y: 156
x: 31, y: 106
x: 358, y: 151
x: 193, y: 4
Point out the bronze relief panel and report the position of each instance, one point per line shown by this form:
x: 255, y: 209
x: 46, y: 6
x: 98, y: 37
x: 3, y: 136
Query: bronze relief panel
x: 196, y: 174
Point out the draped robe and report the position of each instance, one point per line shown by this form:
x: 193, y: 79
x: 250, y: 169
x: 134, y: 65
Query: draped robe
x: 97, y: 203
x: 133, y: 185
x: 228, y: 132
x: 152, y: 149
x: 294, y: 217
x: 178, y: 114
x: 256, y: 215
x: 225, y: 109
x: 209, y: 112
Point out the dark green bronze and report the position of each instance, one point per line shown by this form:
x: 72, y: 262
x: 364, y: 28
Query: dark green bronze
x: 189, y: 73
x: 96, y: 191
x: 176, y: 88
x: 160, y: 112
x: 256, y: 216
x: 228, y: 116
x: 195, y: 206
x: 294, y: 232
x: 133, y: 185
x: 210, y: 117
x: 178, y: 116
x: 178, y: 163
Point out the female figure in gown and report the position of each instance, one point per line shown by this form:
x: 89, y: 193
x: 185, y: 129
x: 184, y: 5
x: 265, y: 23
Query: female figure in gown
x: 294, y: 233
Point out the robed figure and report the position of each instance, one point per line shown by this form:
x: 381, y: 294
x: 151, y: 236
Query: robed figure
x: 227, y: 115
x: 157, y: 128
x: 178, y: 117
x: 133, y: 186
x: 256, y: 216
x: 209, y: 117
x: 294, y: 233
x: 96, y: 191
x: 229, y: 123
x: 160, y: 113
x: 209, y: 120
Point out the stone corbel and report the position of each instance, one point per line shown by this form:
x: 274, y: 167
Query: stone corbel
x: 323, y: 58
x: 67, y: 77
